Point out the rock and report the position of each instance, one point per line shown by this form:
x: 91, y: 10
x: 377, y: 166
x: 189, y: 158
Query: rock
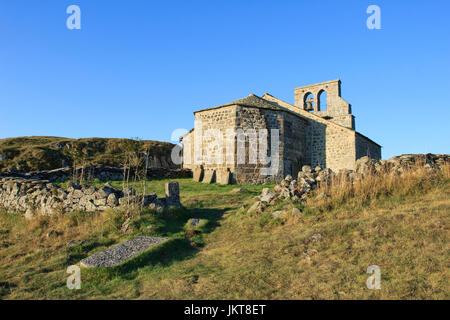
x: 306, y: 169
x: 316, y: 237
x: 365, y: 166
x: 112, y: 200
x: 296, y: 212
x: 293, y: 184
x: 265, y: 191
x: 284, y: 184
x: 277, y: 188
x: 77, y: 194
x: 257, y: 207
x: 90, y: 206
x: 285, y: 193
x: 268, y: 197
x: 89, y: 190
x: 238, y: 190
x: 126, y: 225
x: 304, y: 186
x: 278, y: 214
x: 100, y: 202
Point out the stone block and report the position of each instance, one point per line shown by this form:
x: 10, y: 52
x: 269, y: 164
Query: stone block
x: 210, y: 176
x: 172, y: 192
x: 223, y: 176
x: 198, y: 174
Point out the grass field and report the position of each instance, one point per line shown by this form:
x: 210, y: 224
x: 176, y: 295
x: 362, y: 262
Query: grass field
x: 238, y: 255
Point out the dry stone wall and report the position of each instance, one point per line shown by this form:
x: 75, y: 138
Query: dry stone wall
x: 97, y: 172
x: 299, y: 188
x: 42, y: 197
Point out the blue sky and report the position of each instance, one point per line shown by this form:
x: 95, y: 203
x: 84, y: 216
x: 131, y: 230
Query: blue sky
x: 140, y: 68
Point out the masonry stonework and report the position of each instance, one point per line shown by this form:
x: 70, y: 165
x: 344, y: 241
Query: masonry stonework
x: 307, y: 135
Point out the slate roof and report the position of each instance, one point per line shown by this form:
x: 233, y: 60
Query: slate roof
x: 251, y: 100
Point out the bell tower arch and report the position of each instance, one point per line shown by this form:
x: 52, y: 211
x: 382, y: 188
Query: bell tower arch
x: 310, y: 98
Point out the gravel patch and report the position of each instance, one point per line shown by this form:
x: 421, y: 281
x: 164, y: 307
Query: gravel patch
x: 116, y: 255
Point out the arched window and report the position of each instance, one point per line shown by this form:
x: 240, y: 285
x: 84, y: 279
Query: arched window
x: 322, y: 101
x: 308, y: 102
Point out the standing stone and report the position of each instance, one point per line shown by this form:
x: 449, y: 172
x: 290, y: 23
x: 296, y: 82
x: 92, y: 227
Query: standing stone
x: 172, y: 192
x: 224, y: 176
x: 210, y: 176
x: 198, y: 174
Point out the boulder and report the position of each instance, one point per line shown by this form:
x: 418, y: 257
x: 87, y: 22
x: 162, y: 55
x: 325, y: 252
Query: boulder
x: 111, y: 201
x: 257, y: 207
x: 268, y: 197
x: 278, y: 214
x: 365, y: 166
x: 296, y: 212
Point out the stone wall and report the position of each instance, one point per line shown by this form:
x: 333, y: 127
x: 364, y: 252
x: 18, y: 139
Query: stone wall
x: 249, y: 118
x: 42, y: 197
x: 98, y: 172
x: 340, y: 148
x: 296, y: 144
x: 366, y: 147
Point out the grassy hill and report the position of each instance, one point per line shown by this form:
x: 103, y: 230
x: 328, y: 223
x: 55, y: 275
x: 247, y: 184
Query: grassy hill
x: 400, y: 224
x: 46, y: 153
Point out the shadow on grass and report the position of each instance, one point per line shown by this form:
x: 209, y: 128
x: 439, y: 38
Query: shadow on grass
x: 76, y: 253
x: 174, y: 222
x: 178, y: 247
